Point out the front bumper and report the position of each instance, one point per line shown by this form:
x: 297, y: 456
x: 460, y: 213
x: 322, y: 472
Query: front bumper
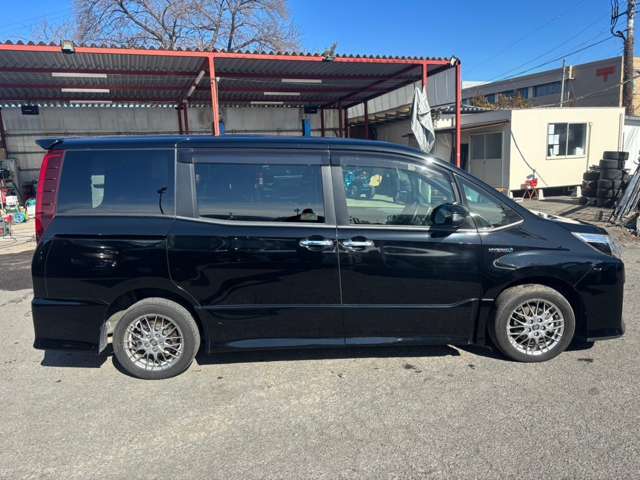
x: 67, y: 325
x: 602, y: 292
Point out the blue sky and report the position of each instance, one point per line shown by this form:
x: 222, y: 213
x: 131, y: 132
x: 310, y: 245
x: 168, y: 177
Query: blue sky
x: 494, y: 38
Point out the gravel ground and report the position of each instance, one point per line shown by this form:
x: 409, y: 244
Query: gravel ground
x: 375, y: 413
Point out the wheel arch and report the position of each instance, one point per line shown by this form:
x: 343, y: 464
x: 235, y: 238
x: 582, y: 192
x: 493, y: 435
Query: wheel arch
x: 121, y: 303
x: 565, y: 288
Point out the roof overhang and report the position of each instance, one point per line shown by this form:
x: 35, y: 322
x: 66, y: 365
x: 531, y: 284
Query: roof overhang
x: 37, y: 73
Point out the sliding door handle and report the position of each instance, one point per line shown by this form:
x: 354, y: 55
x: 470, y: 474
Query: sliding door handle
x: 355, y: 245
x: 316, y: 243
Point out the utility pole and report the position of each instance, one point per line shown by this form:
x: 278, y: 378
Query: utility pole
x: 627, y: 88
x: 628, y: 37
x: 562, y: 85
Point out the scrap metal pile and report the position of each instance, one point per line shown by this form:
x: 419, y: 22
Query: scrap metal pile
x: 626, y: 209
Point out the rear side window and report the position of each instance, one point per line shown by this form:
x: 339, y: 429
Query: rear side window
x: 486, y: 211
x: 117, y: 182
x: 260, y: 192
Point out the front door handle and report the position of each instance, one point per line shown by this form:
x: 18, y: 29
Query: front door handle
x: 355, y: 245
x: 316, y: 244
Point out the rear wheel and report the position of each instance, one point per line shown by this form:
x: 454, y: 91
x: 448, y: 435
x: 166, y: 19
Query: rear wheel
x: 533, y: 323
x: 155, y: 339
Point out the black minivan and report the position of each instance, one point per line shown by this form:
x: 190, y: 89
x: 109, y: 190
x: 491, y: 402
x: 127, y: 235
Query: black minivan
x: 176, y: 244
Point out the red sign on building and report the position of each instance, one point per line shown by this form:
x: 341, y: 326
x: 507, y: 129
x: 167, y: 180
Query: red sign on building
x: 604, y: 72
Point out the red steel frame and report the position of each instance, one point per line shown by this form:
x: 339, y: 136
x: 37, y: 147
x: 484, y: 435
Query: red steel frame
x: 209, y: 57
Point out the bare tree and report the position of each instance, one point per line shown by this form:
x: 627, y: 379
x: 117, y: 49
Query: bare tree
x: 168, y: 24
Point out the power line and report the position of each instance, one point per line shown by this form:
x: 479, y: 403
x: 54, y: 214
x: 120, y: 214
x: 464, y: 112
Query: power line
x: 591, y: 94
x: 591, y: 45
x: 557, y: 47
x: 535, y: 30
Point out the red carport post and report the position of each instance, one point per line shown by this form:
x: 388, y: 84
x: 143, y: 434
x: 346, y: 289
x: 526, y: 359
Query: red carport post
x: 322, y: 122
x: 214, y: 97
x: 458, y: 111
x: 425, y: 76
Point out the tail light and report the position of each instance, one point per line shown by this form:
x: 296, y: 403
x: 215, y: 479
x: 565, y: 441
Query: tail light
x: 47, y: 195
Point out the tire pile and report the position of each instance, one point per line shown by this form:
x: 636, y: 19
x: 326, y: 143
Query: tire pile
x: 602, y: 185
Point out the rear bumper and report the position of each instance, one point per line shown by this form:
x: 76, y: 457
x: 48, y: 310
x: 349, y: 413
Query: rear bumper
x: 67, y: 325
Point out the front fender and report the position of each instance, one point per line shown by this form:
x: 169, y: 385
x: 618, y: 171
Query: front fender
x: 515, y: 267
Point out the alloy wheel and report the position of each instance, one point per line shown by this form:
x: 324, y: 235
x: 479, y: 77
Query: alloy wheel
x: 535, y: 327
x: 153, y: 342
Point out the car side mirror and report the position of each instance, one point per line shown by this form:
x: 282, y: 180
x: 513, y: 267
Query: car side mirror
x: 449, y: 215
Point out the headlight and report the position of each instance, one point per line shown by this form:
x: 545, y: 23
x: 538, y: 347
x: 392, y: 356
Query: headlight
x: 602, y: 243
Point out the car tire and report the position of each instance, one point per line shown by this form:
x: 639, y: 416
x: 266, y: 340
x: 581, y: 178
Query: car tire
x: 591, y: 175
x: 605, y: 184
x: 607, y: 163
x: 155, y: 339
x: 556, y: 328
x: 605, y: 193
x: 620, y: 156
x: 610, y: 174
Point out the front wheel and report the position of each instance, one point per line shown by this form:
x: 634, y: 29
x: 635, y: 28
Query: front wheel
x: 533, y: 323
x: 156, y: 338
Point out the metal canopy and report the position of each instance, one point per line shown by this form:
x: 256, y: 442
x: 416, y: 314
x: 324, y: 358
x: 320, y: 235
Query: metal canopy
x: 36, y: 73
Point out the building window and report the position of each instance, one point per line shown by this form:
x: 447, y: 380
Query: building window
x: 566, y: 139
x: 508, y: 93
x: 523, y: 92
x: 552, y: 88
x: 487, y: 146
x: 491, y: 98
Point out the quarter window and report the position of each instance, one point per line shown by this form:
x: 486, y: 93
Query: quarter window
x: 486, y: 211
x: 394, y: 195
x: 566, y: 139
x: 117, y: 182
x: 260, y: 192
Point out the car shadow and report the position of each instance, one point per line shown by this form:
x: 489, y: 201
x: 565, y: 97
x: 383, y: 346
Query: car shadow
x: 74, y: 359
x: 324, y: 354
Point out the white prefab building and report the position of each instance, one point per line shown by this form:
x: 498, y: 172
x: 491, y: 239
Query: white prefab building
x: 557, y: 144
x: 503, y: 147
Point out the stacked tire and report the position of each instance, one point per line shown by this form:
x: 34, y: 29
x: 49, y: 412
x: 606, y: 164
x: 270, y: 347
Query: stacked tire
x: 602, y: 185
x: 590, y: 185
x: 611, y: 178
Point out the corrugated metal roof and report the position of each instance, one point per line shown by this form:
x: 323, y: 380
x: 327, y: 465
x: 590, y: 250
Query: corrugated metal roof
x: 26, y: 76
x: 255, y: 52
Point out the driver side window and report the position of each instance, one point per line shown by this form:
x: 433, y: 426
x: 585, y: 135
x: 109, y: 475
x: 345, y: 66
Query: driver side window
x: 398, y: 194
